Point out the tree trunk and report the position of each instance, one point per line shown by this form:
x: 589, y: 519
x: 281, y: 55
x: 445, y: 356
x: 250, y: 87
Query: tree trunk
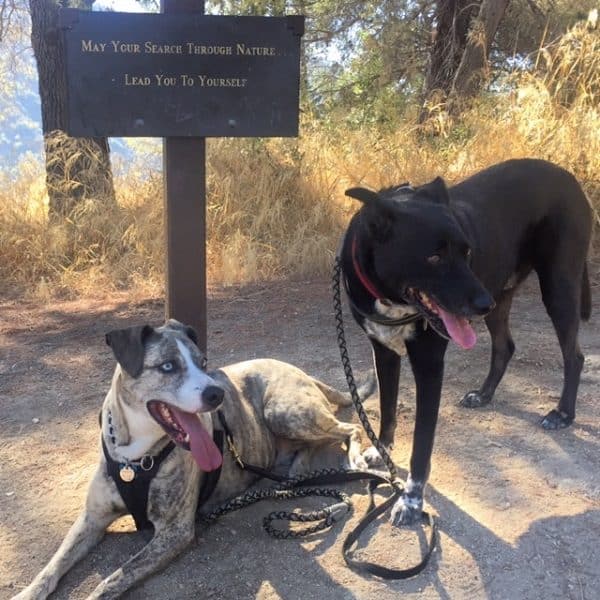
x: 473, y: 69
x: 452, y: 19
x: 458, y: 60
x: 77, y: 169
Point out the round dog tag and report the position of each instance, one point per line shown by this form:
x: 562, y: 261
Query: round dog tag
x: 127, y: 474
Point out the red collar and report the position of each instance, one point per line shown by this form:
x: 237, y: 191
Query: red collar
x: 367, y: 283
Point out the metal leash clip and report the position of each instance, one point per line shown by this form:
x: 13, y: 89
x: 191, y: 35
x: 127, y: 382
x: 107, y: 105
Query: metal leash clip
x: 234, y: 451
x: 337, y: 511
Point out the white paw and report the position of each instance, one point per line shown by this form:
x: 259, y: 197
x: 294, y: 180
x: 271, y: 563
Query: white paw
x: 407, y: 510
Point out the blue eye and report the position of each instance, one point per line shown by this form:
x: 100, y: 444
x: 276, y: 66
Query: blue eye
x: 167, y: 367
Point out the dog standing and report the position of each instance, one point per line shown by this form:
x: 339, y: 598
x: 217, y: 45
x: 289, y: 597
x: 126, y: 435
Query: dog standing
x: 158, y: 424
x: 419, y: 263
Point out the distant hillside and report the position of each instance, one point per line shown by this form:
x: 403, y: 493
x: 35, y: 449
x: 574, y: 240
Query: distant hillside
x: 20, y: 113
x: 20, y: 118
x: 21, y: 121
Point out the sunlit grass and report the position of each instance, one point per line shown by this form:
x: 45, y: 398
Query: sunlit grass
x: 277, y: 207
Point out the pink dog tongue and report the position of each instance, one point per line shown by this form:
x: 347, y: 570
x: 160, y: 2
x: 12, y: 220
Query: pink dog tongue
x: 459, y: 329
x: 204, y: 450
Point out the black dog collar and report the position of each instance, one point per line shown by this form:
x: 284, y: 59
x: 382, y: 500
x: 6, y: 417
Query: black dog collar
x: 376, y: 295
x: 366, y: 282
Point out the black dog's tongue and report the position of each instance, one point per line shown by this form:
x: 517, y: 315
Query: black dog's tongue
x: 459, y: 329
x: 204, y: 450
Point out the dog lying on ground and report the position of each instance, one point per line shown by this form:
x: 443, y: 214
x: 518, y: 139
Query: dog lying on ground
x: 419, y: 263
x: 158, y: 422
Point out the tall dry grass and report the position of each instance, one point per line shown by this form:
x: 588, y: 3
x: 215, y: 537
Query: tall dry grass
x: 277, y: 208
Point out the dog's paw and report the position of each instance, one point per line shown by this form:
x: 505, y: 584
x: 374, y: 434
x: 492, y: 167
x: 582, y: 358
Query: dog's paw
x: 556, y: 419
x: 373, y: 458
x: 474, y: 399
x: 407, y: 510
x: 356, y: 463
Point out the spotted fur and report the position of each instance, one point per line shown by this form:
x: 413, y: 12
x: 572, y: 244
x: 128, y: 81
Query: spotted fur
x: 277, y: 414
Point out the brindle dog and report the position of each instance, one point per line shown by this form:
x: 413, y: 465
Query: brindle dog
x: 161, y: 395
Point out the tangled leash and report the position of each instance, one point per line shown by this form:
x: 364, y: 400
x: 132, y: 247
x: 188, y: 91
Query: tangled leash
x: 286, y: 490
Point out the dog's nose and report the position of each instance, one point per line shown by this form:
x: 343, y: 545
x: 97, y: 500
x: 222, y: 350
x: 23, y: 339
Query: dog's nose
x: 482, y: 303
x: 212, y: 396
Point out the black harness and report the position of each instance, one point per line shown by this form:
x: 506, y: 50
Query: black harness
x: 134, y: 493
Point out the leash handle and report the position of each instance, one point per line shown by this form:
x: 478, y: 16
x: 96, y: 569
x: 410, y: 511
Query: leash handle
x: 373, y: 513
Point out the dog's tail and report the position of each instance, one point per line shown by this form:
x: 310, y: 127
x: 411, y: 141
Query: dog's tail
x: 586, y: 295
x: 366, y: 389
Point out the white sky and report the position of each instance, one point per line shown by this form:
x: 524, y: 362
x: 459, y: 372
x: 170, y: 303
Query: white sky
x: 120, y: 5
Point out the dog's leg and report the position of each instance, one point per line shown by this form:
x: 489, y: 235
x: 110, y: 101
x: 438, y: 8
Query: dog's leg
x: 301, y: 413
x: 562, y: 298
x: 103, y: 506
x: 338, y: 432
x: 387, y: 366
x: 503, y: 348
x: 171, y: 509
x: 426, y: 353
x: 354, y: 457
x: 169, y: 540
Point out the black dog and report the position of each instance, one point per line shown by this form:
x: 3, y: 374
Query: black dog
x: 418, y: 263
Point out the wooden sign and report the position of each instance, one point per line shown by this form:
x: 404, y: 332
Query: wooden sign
x: 164, y: 75
x: 183, y: 76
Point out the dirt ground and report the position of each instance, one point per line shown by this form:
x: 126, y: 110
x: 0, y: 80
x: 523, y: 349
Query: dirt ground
x: 518, y: 508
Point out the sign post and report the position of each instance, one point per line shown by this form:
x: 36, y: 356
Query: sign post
x: 183, y: 76
x: 184, y: 172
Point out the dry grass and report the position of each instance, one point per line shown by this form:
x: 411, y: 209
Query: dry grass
x: 276, y: 207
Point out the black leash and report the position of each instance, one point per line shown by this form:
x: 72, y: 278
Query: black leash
x: 373, y: 512
x: 378, y: 570
x: 286, y: 489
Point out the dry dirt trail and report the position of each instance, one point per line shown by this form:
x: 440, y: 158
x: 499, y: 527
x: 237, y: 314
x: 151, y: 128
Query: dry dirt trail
x: 519, y: 508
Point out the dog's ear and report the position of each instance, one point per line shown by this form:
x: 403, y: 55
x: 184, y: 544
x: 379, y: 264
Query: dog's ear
x: 189, y: 331
x: 128, y: 347
x: 377, y: 214
x: 364, y: 195
x: 434, y: 191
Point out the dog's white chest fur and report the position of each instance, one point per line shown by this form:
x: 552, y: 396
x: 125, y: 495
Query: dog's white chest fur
x: 391, y: 336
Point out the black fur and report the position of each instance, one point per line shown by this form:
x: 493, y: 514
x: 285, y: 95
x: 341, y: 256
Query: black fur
x: 128, y: 347
x: 468, y: 248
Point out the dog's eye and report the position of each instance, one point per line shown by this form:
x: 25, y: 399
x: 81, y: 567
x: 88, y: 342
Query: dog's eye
x: 468, y: 252
x: 204, y: 363
x: 168, y: 367
x: 434, y: 259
